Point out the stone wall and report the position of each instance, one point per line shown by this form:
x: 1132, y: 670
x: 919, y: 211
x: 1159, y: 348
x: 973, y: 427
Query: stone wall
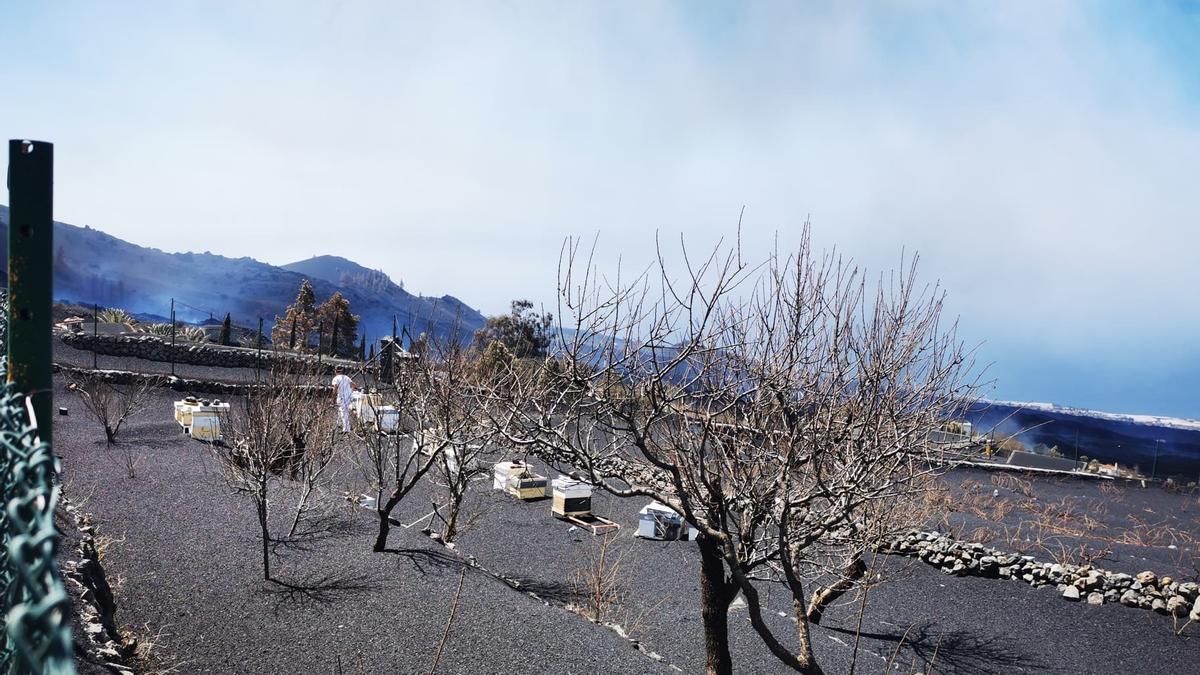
x: 180, y: 384
x: 155, y: 348
x: 97, y: 638
x: 1074, y: 582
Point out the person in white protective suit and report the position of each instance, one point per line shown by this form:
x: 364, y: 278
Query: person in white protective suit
x: 343, y: 388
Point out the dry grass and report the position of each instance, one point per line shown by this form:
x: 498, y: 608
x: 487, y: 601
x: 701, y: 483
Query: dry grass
x: 104, y: 543
x: 147, y: 657
x: 1110, y: 492
x: 600, y: 581
x: 1008, y: 481
x: 1070, y: 530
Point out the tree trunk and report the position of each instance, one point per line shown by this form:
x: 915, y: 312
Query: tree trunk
x: 854, y: 571
x: 266, y: 537
x: 385, y: 515
x: 300, y: 507
x: 802, y: 662
x: 451, y: 524
x: 808, y: 663
x: 716, y: 592
x: 385, y: 526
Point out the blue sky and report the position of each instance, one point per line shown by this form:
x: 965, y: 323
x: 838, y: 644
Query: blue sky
x: 1041, y: 156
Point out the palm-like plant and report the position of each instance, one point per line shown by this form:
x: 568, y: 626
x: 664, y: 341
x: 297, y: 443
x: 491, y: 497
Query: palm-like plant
x: 160, y: 329
x: 115, y: 315
x: 190, y: 334
x: 182, y: 333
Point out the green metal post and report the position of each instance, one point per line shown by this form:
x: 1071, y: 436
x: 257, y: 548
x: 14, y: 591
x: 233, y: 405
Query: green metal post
x: 258, y: 356
x: 172, y: 337
x: 31, y: 274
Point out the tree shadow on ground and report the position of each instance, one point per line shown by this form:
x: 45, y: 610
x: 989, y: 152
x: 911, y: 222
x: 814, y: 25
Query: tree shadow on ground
x: 321, y: 589
x: 315, y: 530
x: 433, y: 560
x: 954, y: 651
x: 552, y: 591
x: 429, y: 560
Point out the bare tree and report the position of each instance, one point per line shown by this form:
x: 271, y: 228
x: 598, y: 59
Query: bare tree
x: 851, y: 377
x: 267, y: 436
x: 600, y: 580
x: 779, y: 407
x: 618, y: 401
x: 451, y: 412
x: 443, y: 435
x: 111, y: 403
x: 394, y: 463
x: 313, y: 463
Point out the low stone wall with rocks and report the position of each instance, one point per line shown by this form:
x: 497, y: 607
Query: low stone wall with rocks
x: 97, y: 638
x: 181, y: 384
x: 1074, y: 582
x: 155, y: 348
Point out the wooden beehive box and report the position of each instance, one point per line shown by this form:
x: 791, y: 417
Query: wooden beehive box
x: 526, y: 485
x: 571, y: 497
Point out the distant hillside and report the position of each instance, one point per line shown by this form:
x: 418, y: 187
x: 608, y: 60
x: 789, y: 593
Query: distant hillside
x: 1168, y: 446
x: 375, y: 286
x: 93, y: 267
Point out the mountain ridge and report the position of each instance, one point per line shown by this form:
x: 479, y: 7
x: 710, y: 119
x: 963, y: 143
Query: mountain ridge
x: 94, y: 267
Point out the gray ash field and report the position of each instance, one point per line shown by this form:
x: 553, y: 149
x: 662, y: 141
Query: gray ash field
x: 185, y: 565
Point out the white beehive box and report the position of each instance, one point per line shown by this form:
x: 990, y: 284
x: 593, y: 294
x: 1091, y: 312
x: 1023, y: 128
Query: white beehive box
x: 661, y: 522
x: 571, y: 497
x: 366, y: 405
x: 387, y: 418
x: 206, y: 421
x: 502, y: 471
x: 183, y: 411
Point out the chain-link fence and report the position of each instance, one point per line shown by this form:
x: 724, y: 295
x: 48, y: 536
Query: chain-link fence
x: 37, y: 635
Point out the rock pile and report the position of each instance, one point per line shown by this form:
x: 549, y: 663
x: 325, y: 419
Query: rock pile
x: 1074, y: 582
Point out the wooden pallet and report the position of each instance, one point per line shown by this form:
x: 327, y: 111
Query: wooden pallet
x: 593, y: 523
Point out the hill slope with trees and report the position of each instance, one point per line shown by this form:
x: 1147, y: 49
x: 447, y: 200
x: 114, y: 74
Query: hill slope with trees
x: 94, y: 267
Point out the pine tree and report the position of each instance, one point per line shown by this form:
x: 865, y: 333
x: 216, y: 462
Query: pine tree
x: 226, y: 328
x: 296, y: 326
x: 336, y: 312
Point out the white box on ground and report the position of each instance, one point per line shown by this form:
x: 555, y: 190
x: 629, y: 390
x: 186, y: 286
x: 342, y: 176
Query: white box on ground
x: 571, y: 497
x: 365, y: 405
x: 502, y: 471
x: 387, y: 418
x: 661, y: 522
x: 183, y: 411
x: 206, y: 420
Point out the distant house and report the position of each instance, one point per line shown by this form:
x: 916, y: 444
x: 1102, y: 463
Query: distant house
x: 73, y: 324
x: 211, y: 328
x: 105, y: 328
x: 391, y: 355
x: 386, y: 347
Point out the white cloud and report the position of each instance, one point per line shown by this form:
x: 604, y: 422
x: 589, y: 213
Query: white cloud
x: 1039, y: 156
